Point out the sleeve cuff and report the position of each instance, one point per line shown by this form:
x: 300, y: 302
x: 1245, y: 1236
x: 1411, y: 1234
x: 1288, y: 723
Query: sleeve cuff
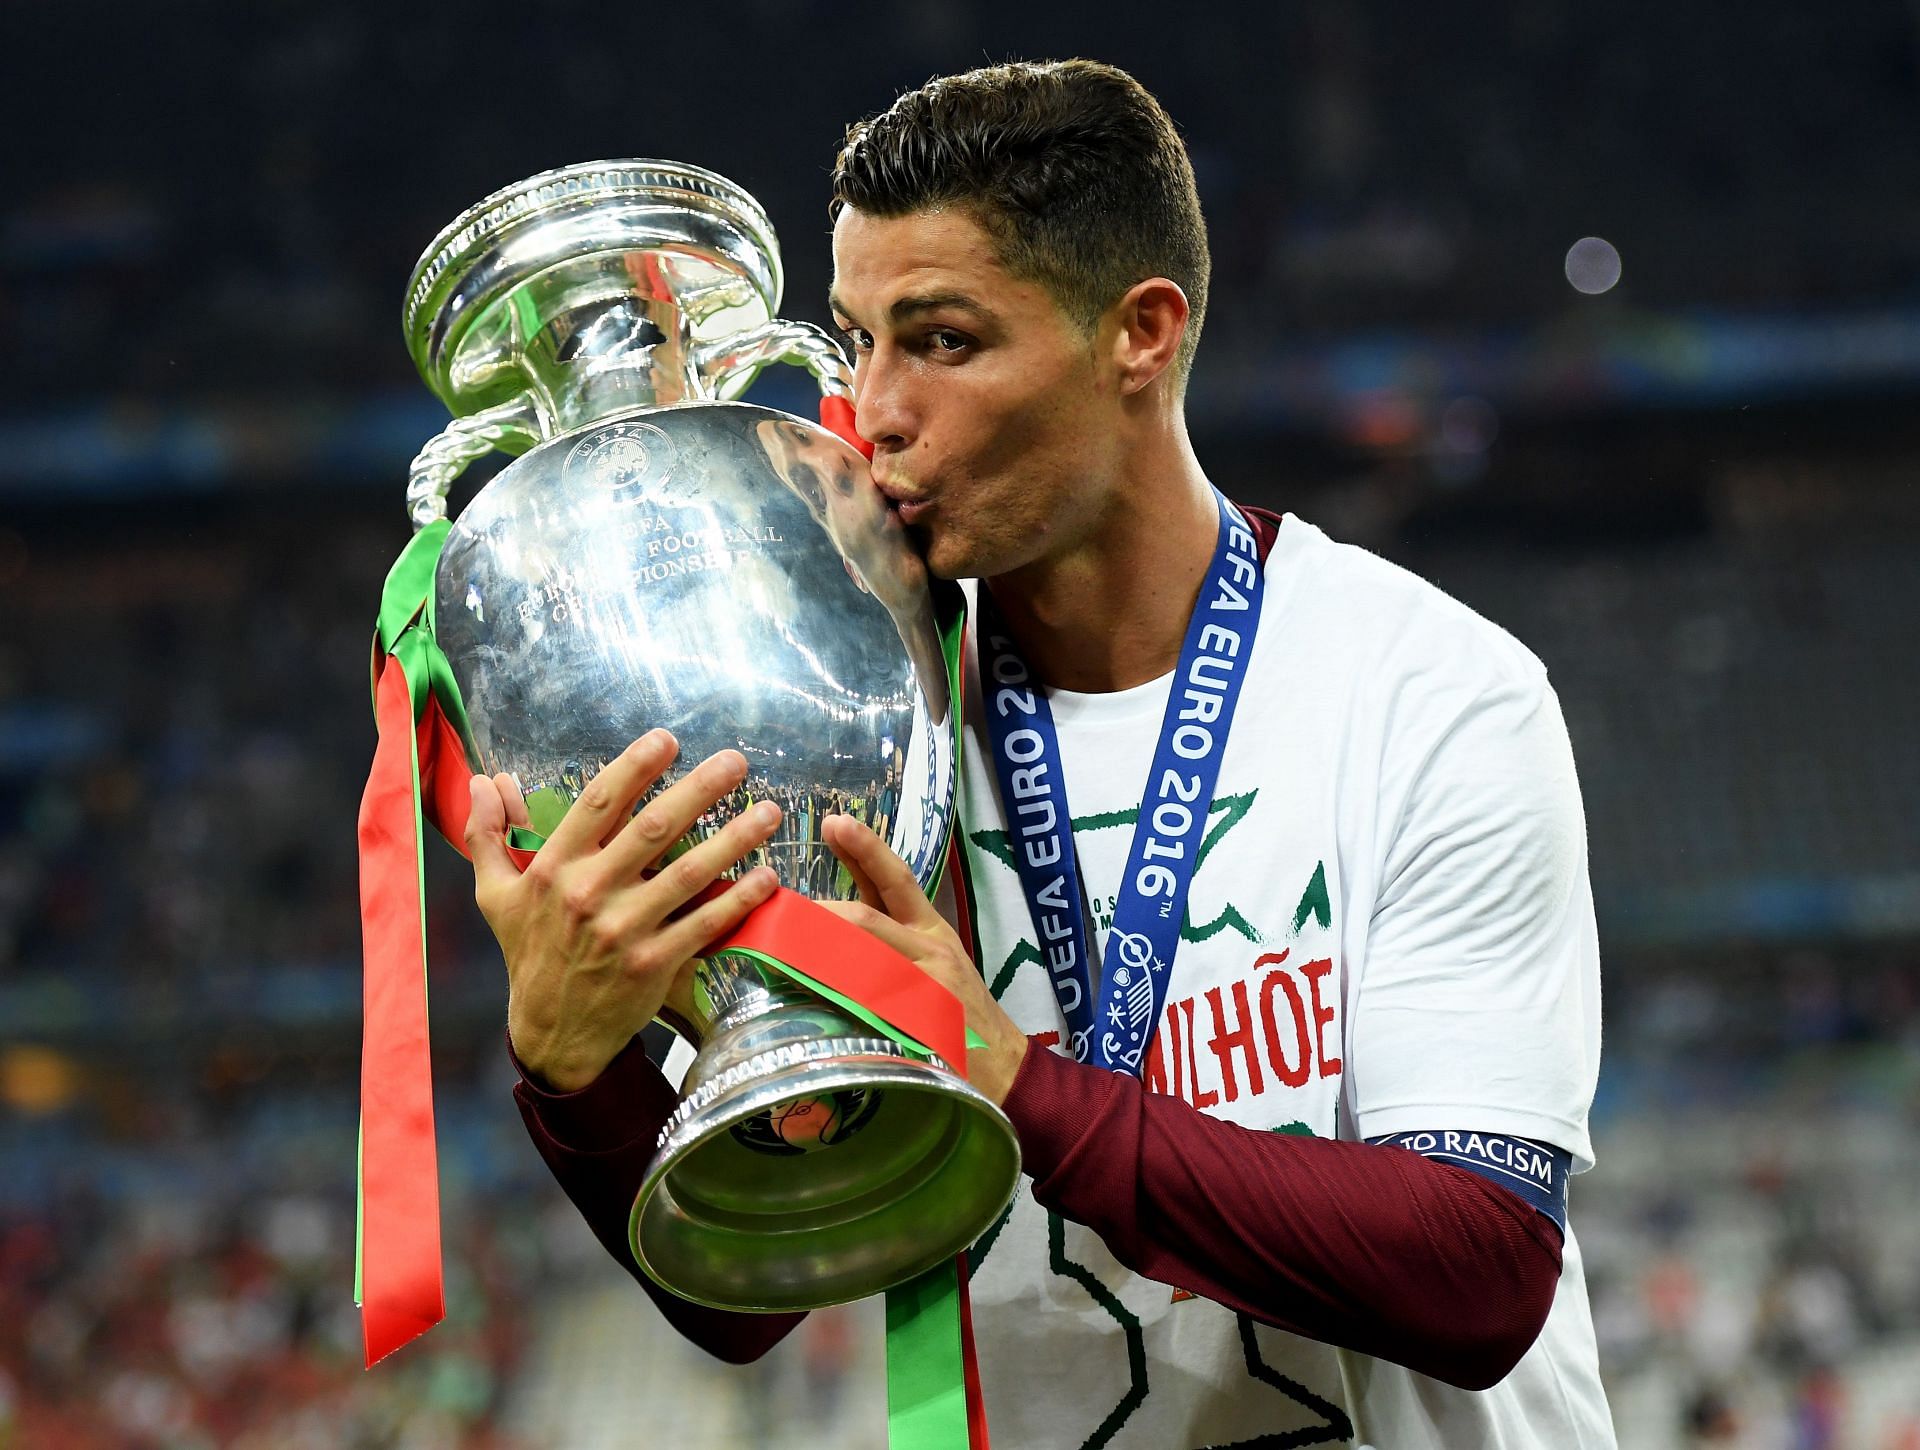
x: 1053, y: 1104
x: 628, y: 1101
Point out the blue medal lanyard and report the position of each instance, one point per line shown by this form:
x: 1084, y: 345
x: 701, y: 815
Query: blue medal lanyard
x: 1112, y: 1026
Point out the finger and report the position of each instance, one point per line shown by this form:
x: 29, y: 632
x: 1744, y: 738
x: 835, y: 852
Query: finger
x: 692, y: 934
x: 642, y: 841
x: 486, y: 840
x: 515, y: 802
x: 895, y: 889
x: 687, y: 875
x: 864, y: 885
x: 610, y: 795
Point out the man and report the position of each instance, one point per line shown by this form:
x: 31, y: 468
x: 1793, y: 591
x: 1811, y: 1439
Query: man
x: 1299, y: 1139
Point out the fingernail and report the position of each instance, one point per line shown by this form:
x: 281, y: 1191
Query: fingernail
x: 766, y: 812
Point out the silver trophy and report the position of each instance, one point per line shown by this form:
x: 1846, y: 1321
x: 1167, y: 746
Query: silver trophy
x: 664, y: 556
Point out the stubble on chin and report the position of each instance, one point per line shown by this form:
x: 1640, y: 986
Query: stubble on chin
x: 954, y: 550
x: 946, y: 562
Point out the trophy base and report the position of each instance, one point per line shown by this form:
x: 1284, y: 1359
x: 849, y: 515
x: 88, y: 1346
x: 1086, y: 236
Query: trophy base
x: 819, y: 1172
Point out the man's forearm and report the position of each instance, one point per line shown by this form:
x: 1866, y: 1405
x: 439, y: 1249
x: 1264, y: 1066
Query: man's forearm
x: 1374, y: 1249
x: 598, y: 1142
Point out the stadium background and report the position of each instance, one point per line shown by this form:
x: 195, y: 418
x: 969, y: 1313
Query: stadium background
x: 1691, y: 492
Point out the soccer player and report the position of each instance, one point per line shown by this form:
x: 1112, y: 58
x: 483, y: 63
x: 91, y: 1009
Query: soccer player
x: 1284, y: 956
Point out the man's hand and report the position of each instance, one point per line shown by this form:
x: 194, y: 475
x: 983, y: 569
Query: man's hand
x: 894, y: 908
x: 592, y: 946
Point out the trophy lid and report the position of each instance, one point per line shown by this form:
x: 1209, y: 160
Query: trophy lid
x: 581, y: 237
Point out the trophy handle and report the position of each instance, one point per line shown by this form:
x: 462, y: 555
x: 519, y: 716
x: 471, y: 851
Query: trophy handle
x: 518, y: 421
x: 722, y: 361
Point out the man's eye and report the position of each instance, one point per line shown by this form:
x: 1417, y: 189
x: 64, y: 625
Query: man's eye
x: 946, y: 341
x: 859, y: 339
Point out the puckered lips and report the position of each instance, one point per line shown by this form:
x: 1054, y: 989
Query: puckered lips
x: 910, y: 503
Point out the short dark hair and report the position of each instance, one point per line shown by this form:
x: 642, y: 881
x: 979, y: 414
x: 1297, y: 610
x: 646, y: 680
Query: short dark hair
x: 1072, y: 167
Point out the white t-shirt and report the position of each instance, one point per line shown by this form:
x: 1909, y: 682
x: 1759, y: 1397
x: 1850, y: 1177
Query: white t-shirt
x: 1390, y: 928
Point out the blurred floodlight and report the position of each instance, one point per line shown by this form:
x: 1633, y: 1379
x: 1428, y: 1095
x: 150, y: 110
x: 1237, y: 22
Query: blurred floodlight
x: 1381, y: 418
x: 37, y: 1079
x: 1593, y: 265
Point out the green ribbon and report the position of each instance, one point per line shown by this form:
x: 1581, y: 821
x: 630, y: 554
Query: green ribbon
x: 926, y: 1370
x: 926, y: 1350
x: 846, y: 1004
x: 405, y: 629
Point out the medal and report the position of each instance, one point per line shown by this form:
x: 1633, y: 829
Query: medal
x: 1110, y: 1018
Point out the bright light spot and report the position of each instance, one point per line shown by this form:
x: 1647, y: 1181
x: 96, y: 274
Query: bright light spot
x: 1593, y: 266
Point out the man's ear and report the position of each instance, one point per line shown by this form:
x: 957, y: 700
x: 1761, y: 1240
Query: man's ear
x: 1151, y: 320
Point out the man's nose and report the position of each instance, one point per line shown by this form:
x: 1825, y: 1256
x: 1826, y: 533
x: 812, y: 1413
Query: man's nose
x: 882, y: 404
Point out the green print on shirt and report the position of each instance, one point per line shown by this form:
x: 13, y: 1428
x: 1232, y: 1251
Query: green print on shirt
x: 1229, y: 810
x: 1334, y: 1427
x: 1331, y: 1426
x: 1129, y: 1323
x: 1315, y: 903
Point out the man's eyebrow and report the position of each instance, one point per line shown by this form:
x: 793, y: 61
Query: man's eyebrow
x: 916, y: 302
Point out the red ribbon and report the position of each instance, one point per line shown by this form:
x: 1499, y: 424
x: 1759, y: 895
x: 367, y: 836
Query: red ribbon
x: 853, y: 962
x: 836, y: 416
x: 970, y: 1360
x: 401, y: 1286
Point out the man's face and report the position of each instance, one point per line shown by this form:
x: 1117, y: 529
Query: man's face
x: 994, y: 429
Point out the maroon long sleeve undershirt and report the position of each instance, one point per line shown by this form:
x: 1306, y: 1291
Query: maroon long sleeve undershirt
x: 598, y: 1142
x: 1368, y: 1247
x: 1365, y: 1246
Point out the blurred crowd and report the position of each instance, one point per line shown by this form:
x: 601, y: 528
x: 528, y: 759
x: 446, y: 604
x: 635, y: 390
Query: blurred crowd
x: 209, y: 1319
x: 184, y: 725
x: 1740, y: 708
x: 185, y: 728
x: 1362, y: 164
x: 1754, y: 1264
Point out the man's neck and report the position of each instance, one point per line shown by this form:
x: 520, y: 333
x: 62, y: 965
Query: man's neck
x: 1113, y: 612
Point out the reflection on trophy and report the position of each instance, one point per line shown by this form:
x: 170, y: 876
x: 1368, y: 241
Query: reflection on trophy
x: 664, y: 556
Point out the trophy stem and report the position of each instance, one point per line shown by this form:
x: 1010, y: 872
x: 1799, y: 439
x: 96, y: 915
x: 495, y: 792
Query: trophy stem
x: 732, y: 991
x: 739, y: 1009
x: 612, y: 355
